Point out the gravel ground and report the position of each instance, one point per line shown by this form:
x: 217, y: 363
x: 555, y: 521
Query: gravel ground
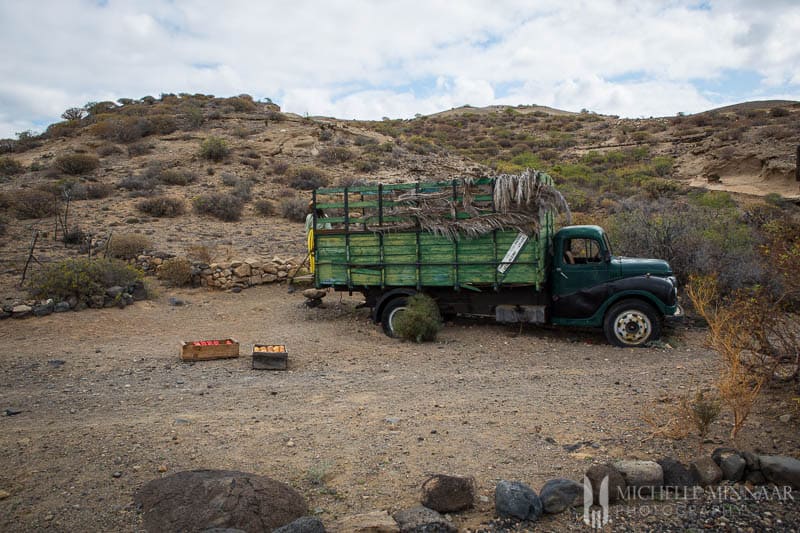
x: 357, y: 423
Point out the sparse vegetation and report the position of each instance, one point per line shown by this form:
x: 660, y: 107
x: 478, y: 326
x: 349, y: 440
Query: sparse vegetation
x: 84, y: 279
x: 335, y: 154
x: 176, y: 177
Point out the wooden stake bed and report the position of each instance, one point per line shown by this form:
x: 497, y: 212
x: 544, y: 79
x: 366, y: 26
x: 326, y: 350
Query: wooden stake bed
x: 226, y: 349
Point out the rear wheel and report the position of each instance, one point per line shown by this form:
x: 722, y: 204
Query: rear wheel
x: 391, y: 311
x: 632, y: 323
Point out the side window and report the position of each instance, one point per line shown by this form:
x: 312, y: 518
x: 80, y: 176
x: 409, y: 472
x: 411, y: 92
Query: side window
x: 582, y: 251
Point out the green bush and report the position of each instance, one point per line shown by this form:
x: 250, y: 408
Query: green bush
x: 162, y: 206
x: 10, y: 167
x: 421, y: 321
x: 305, y: 178
x: 176, y: 271
x: 128, y: 245
x: 224, y: 206
x: 77, y: 163
x: 82, y: 278
x: 214, y: 149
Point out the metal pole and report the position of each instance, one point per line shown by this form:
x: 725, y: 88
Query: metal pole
x: 797, y: 164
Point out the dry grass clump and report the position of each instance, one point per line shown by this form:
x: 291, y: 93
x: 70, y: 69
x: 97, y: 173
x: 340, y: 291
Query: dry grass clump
x: 264, y: 207
x: 128, y: 245
x: 10, y: 167
x: 176, y: 271
x: 162, y: 206
x: 335, y: 154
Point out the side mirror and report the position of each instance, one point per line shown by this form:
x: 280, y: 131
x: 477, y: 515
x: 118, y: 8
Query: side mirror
x: 607, y: 256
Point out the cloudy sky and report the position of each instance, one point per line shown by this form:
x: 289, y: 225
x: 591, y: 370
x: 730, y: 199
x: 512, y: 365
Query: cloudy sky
x: 370, y: 59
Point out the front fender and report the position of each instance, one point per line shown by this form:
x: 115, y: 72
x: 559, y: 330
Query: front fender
x: 588, y: 306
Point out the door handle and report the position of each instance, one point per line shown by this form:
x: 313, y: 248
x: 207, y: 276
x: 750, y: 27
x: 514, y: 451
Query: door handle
x: 562, y: 273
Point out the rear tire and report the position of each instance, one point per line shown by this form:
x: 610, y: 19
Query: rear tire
x: 632, y: 323
x: 390, y: 313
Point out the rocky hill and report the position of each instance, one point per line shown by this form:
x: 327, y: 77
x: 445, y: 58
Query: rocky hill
x: 195, y: 174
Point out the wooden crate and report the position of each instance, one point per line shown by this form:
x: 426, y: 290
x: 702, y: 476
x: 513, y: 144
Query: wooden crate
x: 226, y: 349
x: 270, y: 360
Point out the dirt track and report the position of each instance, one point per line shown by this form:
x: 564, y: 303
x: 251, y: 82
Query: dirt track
x: 357, y: 424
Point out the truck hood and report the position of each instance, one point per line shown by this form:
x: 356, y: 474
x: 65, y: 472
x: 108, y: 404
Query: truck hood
x: 636, y: 266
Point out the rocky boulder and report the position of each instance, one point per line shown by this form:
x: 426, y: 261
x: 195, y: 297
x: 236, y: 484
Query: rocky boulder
x: 559, y: 494
x: 781, y: 470
x: 420, y: 519
x: 705, y: 471
x: 306, y: 524
x: 642, y: 475
x: 447, y: 494
x: 206, y: 499
x: 513, y: 499
x: 675, y: 473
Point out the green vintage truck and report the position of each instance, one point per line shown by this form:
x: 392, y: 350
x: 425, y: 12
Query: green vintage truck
x: 485, y: 247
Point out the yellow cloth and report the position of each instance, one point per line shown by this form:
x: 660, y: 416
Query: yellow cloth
x: 311, y: 250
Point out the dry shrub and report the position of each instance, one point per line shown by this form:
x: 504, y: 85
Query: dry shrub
x: 10, y: 167
x: 305, y: 178
x: 280, y: 167
x: 201, y: 253
x: 226, y: 207
x: 335, y: 154
x: 162, y: 206
x: 82, y: 278
x: 176, y: 177
x: 731, y: 336
x: 264, y: 207
x: 128, y: 245
x: 77, y: 163
x: 176, y: 271
x: 294, y: 209
x: 107, y: 149
x: 33, y: 203
x: 96, y: 191
x: 214, y: 149
x: 141, y: 185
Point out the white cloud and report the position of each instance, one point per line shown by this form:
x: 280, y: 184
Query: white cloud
x: 353, y: 58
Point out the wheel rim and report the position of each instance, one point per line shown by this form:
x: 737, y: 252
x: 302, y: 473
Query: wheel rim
x: 632, y: 327
x: 393, y: 315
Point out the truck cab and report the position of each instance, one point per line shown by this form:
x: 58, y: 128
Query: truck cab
x: 589, y: 286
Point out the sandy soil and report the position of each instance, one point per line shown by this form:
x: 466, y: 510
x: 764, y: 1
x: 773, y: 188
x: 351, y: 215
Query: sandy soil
x: 357, y: 423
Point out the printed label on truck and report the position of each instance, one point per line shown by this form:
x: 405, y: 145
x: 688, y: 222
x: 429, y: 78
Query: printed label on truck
x: 512, y: 253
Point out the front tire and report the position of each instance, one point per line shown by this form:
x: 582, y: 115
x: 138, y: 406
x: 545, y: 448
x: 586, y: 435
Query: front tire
x: 632, y: 323
x: 390, y: 314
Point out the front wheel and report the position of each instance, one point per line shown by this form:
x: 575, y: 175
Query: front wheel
x: 390, y: 313
x: 632, y: 323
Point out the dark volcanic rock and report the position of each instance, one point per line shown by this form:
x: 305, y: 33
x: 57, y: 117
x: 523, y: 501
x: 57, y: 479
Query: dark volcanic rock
x: 558, y: 494
x: 448, y: 494
x: 420, y: 519
x: 306, y: 524
x: 207, y: 499
x: 675, y: 473
x: 513, y: 499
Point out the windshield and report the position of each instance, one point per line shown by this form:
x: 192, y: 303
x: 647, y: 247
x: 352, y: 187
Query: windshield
x: 607, y: 243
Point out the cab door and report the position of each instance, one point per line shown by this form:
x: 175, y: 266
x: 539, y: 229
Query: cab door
x: 579, y: 263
